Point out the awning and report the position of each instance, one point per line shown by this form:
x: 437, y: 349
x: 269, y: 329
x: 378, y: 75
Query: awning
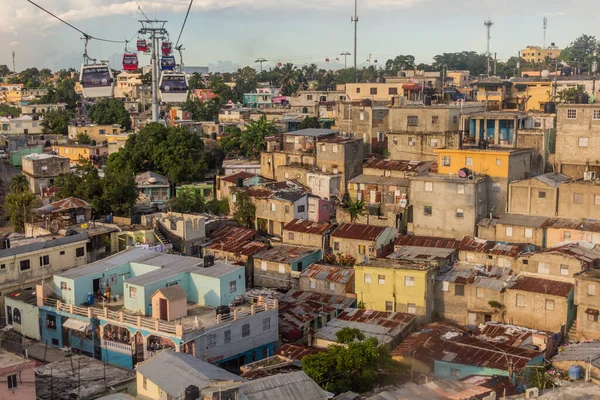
x: 77, y: 325
x: 412, y: 86
x: 592, y: 311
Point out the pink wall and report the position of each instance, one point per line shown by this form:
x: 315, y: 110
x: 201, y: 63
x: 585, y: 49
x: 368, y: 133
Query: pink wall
x: 25, y: 382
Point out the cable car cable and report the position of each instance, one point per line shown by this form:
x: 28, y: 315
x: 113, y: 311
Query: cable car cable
x: 184, y: 21
x: 140, y: 9
x: 74, y: 27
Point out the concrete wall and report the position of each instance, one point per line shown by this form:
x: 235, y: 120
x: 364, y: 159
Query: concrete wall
x: 534, y: 314
x: 372, y: 249
x: 532, y: 197
x: 579, y: 200
x: 30, y: 318
x: 25, y: 389
x: 288, y: 279
x: 572, y: 156
x: 519, y: 234
x: 561, y: 267
x: 346, y: 158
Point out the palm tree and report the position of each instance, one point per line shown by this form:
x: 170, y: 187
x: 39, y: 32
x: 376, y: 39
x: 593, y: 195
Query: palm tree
x: 252, y: 140
x: 355, y: 209
x: 19, y: 184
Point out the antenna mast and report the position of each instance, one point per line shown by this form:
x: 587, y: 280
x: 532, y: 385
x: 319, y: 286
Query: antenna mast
x: 14, y: 65
x: 355, y: 20
x: 545, y: 28
x: 488, y: 24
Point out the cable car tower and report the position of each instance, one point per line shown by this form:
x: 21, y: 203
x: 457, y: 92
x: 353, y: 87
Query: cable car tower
x: 156, y: 30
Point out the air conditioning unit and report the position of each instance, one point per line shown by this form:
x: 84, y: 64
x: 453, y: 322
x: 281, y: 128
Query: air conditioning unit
x: 589, y: 175
x: 491, y: 396
x: 532, y: 393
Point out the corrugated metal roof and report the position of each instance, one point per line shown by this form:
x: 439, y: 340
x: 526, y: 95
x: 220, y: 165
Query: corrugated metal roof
x: 123, y: 257
x: 543, y: 286
x: 577, y: 251
x: 173, y: 292
x: 426, y: 241
x: 398, y: 165
x: 68, y: 204
x: 291, y: 386
x: 143, y: 179
x: 306, y: 226
x: 583, y: 351
x: 296, y: 351
x: 415, y: 253
x: 285, y: 253
x: 553, y: 179
x: 576, y: 224
x: 476, y: 245
x: 233, y: 177
x: 171, y: 371
x: 532, y: 221
x: 43, y: 244
x: 236, y: 240
x: 313, y: 132
x: 442, y: 389
x: 329, y: 273
x: 358, y: 231
x: 380, y: 180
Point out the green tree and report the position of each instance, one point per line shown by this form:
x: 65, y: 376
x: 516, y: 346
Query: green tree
x: 119, y: 191
x: 67, y: 185
x: 401, y: 62
x: 195, y: 81
x: 356, y: 364
x: 19, y: 184
x: 245, y: 82
x: 252, y: 139
x: 218, y: 207
x: 110, y: 111
x: 581, y: 50
x: 56, y: 122
x: 202, y: 110
x: 355, y: 209
x: 219, y: 87
x: 6, y: 109
x: 4, y: 70
x: 83, y: 138
x: 245, y: 211
x: 18, y: 206
x: 309, y: 122
x: 187, y: 200
x: 568, y: 95
x: 63, y: 92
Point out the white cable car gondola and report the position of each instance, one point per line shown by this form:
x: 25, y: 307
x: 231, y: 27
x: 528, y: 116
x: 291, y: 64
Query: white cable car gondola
x: 173, y: 87
x: 96, y: 80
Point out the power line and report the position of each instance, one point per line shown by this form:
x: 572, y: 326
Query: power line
x: 184, y: 21
x: 140, y: 9
x: 74, y: 27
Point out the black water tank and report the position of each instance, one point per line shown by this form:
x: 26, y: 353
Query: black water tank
x: 483, y: 144
x: 427, y: 100
x: 239, y: 182
x: 463, y: 172
x: 223, y: 310
x: 579, y: 98
x: 550, y: 107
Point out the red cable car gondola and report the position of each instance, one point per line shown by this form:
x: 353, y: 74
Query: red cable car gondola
x: 327, y: 60
x: 142, y: 45
x: 166, y: 48
x: 130, y: 61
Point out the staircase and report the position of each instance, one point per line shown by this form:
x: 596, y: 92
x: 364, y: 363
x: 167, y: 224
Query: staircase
x: 161, y: 238
x: 572, y: 333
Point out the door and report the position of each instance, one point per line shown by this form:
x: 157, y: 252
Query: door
x: 9, y: 315
x: 271, y: 226
x: 162, y: 305
x: 95, y: 285
x: 472, y: 323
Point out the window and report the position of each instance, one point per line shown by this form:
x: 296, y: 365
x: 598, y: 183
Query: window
x: 273, y: 207
x: 528, y: 232
x: 380, y: 136
x: 460, y: 213
x: 362, y: 116
x: 592, y: 317
x: 427, y: 210
x: 79, y: 252
x: 309, y: 97
x: 498, y: 162
x: 469, y: 161
x: 336, y: 246
x: 232, y: 287
x: 520, y: 300
x: 409, y: 281
x: 435, y: 119
x: 331, y: 286
x: 266, y: 324
x: 596, y: 114
x: 411, y: 308
x: 245, y: 330
x: 525, y: 262
x: 459, y: 290
x: 25, y: 265
x: 361, y: 249
x: 571, y: 114
x: 549, y: 305
x: 263, y: 265
x: 577, y: 198
x: 357, y: 90
x: 582, y: 142
x: 564, y: 269
x: 227, y: 336
x: 412, y: 120
x: 455, y: 119
x: 389, y: 306
x: 301, y: 209
x: 591, y: 289
x: 543, y: 268
x: 145, y: 383
x: 496, y: 187
x: 133, y: 293
x: 44, y: 261
x: 567, y: 235
x: 282, y: 268
x: 51, y: 322
x: 2, y: 266
x: 373, y: 90
x: 312, y: 284
x: 480, y: 292
x: 597, y: 200
x: 445, y: 286
x: 211, y: 340
x: 429, y: 186
x: 62, y: 253
x: 434, y: 143
x: 367, y: 278
x: 455, y: 372
x: 412, y: 141
x: 290, y: 235
x: 381, y: 279
x: 508, y: 231
x: 446, y: 161
x: 12, y: 381
x: 334, y: 148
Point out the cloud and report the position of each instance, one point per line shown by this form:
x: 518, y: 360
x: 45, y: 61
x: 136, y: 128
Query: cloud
x: 13, y: 44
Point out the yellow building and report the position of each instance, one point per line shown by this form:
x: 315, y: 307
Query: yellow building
x: 390, y: 285
x: 535, y: 54
x: 126, y: 84
x: 76, y: 151
x: 95, y: 132
x: 11, y: 93
x: 116, y: 142
x: 530, y: 94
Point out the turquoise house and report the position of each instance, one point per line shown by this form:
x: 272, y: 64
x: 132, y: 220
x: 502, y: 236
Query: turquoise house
x: 17, y: 155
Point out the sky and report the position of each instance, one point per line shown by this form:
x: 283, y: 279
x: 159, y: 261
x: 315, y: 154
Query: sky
x: 226, y: 34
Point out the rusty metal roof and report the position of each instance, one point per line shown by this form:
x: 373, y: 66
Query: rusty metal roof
x: 575, y: 250
x: 329, y: 273
x: 543, y: 286
x: 358, y: 231
x: 339, y: 302
x: 398, y: 165
x: 451, y: 343
x: 285, y: 253
x: 297, y: 352
x: 508, y: 334
x: 236, y: 240
x: 234, y: 177
x: 568, y: 223
x: 426, y: 241
x: 476, y: 245
x: 296, y: 314
x: 416, y: 254
x: 306, y: 226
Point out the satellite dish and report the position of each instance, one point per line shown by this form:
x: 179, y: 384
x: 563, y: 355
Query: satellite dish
x: 545, y: 73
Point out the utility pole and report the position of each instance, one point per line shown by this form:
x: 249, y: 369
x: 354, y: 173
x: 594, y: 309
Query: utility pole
x: 156, y: 30
x: 355, y: 20
x: 261, y: 61
x: 345, y: 54
x: 545, y: 27
x: 14, y: 65
x: 488, y: 24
